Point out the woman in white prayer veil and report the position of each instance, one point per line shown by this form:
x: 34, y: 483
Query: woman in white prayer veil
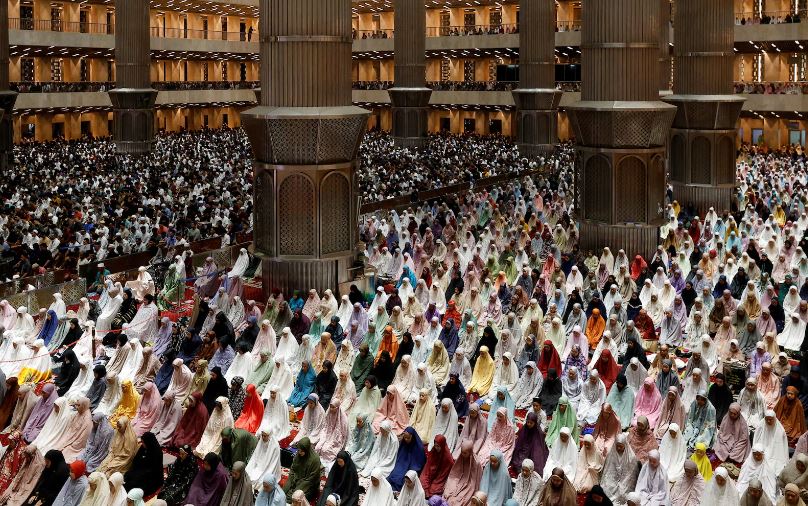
x: 112, y: 396
x: 83, y: 380
x: 266, y: 340
x: 287, y: 347
x: 84, y: 347
x: 16, y: 357
x: 721, y: 491
x: 791, y: 302
x: 620, y: 471
x: 266, y: 458
x: 652, y: 483
x: 635, y: 374
x: 610, y: 297
x: 673, y: 452
x: 563, y: 454
x: 771, y: 435
x: 575, y: 281
x: 276, y: 415
x: 379, y: 300
x: 528, y: 386
x: 606, y: 342
x: 793, y: 334
x: 557, y: 335
x: 133, y: 360
x: 445, y: 424
x: 329, y: 305
x: 692, y: 385
x: 145, y: 325
x: 648, y: 289
x: 572, y: 386
x: 506, y: 375
x: 235, y: 313
x: 24, y: 325
x: 437, y: 297
x: 56, y: 423
x: 607, y: 258
x: 529, y: 484
x: 757, y: 467
x: 282, y: 378
x: 385, y: 450
x: 461, y: 367
x: 380, y: 492
x: 593, y: 395
x: 233, y: 281
x: 534, y: 310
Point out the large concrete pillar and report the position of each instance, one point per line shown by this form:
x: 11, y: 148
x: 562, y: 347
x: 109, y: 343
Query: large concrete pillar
x: 305, y: 135
x: 621, y: 127
x: 536, y: 97
x: 664, y: 47
x: 409, y: 94
x: 703, y: 143
x: 7, y: 97
x: 133, y: 97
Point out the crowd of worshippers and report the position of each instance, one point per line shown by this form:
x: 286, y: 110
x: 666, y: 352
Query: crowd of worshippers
x: 388, y: 171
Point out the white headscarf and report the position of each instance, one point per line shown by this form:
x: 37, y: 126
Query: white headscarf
x: 673, y: 452
x: 266, y: 458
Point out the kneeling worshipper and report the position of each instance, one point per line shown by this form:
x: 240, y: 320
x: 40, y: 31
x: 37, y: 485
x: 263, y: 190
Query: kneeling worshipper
x: 590, y: 463
x: 671, y: 411
x: 464, y: 477
x: 672, y: 453
x: 342, y: 482
x: 74, y: 487
x: 564, y: 416
x: 642, y: 439
x: 265, y: 459
x: 529, y: 484
x: 753, y: 406
x: 501, y: 436
x: 412, y: 494
x: 210, y: 482
x: 754, y: 495
x: 789, y: 411
x: 392, y: 410
x: 551, y: 392
x: 621, y: 400
x: 530, y: 444
x: 528, y: 387
x: 423, y: 416
x: 756, y: 467
x: 606, y: 429
x: 496, y: 482
x: 439, y: 462
x: 720, y: 396
x: 304, y: 473
x: 98, y: 442
x: 721, y: 491
x: 475, y: 431
x: 700, y: 425
x: 181, y: 473
x: 771, y: 435
x: 335, y: 432
x: 385, y: 450
x: 732, y: 442
x: 409, y: 457
x: 311, y: 425
x: 146, y: 472
x: 620, y: 471
x: 563, y: 454
x: 593, y: 395
x: 192, y: 424
x: 445, y: 425
x: 237, y: 446
x: 220, y: 418
x: 652, y: 483
x: 379, y: 493
x: 558, y: 490
x: 647, y: 403
x: 689, y: 489
x: 455, y: 392
x: 702, y: 461
x: 122, y: 450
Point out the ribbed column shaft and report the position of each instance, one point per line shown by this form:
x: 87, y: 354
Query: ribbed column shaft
x: 537, y: 44
x: 664, y: 45
x: 132, y: 44
x: 703, y: 50
x: 305, y: 53
x: 410, y: 43
x: 620, y: 45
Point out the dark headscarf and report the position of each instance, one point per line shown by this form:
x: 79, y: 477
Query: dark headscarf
x: 411, y: 457
x: 216, y: 388
x: 299, y: 325
x: 166, y: 371
x: 343, y: 481
x: 597, y: 490
x: 530, y: 444
x: 384, y: 371
x: 98, y: 387
x: 304, y: 473
x: 325, y: 384
x: 52, y: 478
x: 208, y: 486
x: 68, y: 372
x: 146, y: 472
x: 192, y: 424
x: 449, y: 337
x: 456, y: 392
x: 720, y: 397
x: 180, y: 476
x: 634, y: 350
x: 361, y: 368
x: 551, y: 391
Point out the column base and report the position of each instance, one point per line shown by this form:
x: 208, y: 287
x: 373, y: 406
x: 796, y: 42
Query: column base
x: 133, y: 121
x: 634, y: 239
x: 320, y: 274
x: 536, y: 120
x: 7, y: 100
x: 535, y: 150
x: 700, y: 198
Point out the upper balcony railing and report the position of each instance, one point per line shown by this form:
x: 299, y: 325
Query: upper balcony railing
x: 456, y: 31
x: 569, y: 26
x: 102, y: 86
x: 373, y: 34
x: 571, y: 86
x: 58, y: 25
x: 768, y: 18
x: 188, y: 33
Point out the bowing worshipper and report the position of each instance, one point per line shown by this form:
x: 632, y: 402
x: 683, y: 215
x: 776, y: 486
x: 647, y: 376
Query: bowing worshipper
x: 672, y: 453
x: 304, y: 473
x: 563, y: 454
x: 642, y: 439
x: 621, y: 400
x: 589, y: 465
x: 181, y: 473
x: 475, y: 431
x: 304, y: 386
x: 757, y: 467
x: 98, y: 442
x: 220, y: 418
x: 551, y: 392
x: 495, y: 481
x: 385, y: 450
x: 700, y: 425
x: 265, y: 460
x: 445, y: 424
x: 501, y: 436
x: 771, y: 435
x: 529, y: 484
x: 360, y: 444
x: 192, y: 424
x: 606, y: 429
x: 393, y: 410
x: 689, y: 489
x: 720, y: 490
x: 368, y: 402
x: 620, y: 470
x: 720, y: 396
x: 439, y: 462
x: 558, y: 490
x: 572, y: 386
x: 530, y: 444
x: 311, y: 425
x: 252, y: 413
x: 564, y: 416
x: 455, y: 392
x: 122, y: 449
x: 384, y: 371
x: 237, y: 446
x: 335, y: 428
x: 342, y: 482
x: 146, y: 471
x: 379, y: 493
x: 790, y: 413
x: 732, y: 442
x: 593, y: 395
x: 652, y: 483
x: 210, y: 482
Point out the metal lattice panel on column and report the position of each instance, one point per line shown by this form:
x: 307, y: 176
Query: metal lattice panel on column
x: 335, y: 209
x: 597, y: 189
x: 337, y: 138
x: 631, y: 190
x: 264, y: 213
x: 222, y: 258
x: 73, y: 292
x: 293, y: 141
x: 700, y: 115
x: 296, y: 216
